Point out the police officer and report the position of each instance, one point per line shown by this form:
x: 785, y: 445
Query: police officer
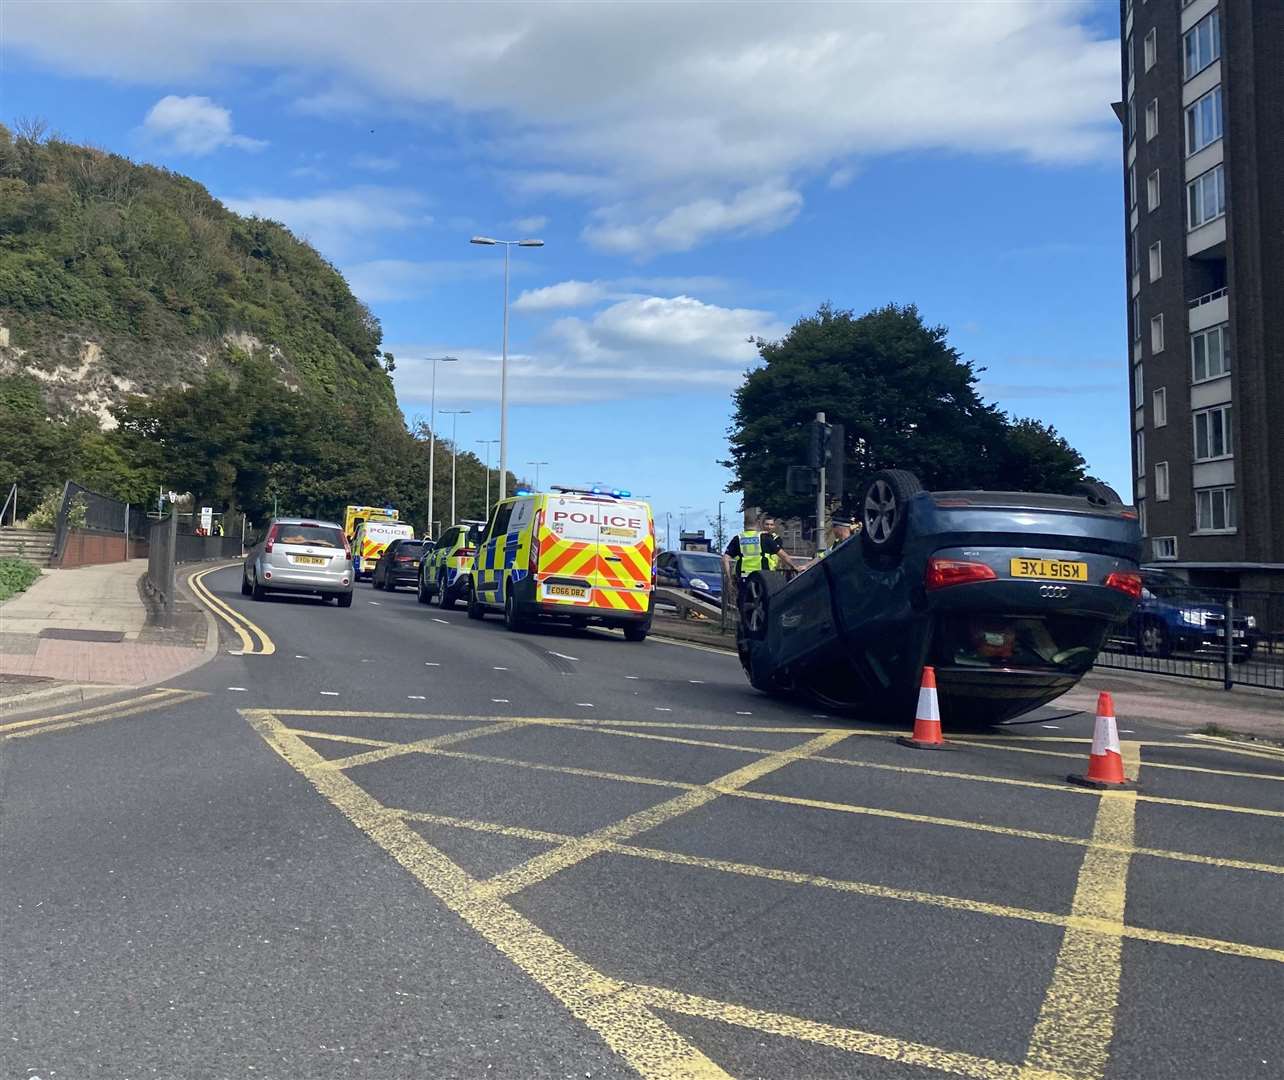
x: 841, y: 529
x: 755, y: 549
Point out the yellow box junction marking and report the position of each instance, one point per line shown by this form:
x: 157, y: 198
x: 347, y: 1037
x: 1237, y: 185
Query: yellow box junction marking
x: 245, y: 629
x: 1077, y: 1020
x: 39, y: 725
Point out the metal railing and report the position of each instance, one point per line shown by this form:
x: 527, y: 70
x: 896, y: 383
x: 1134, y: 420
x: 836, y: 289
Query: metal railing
x: 162, y: 537
x: 102, y: 513
x: 1207, y: 298
x: 10, y: 506
x: 1231, y: 636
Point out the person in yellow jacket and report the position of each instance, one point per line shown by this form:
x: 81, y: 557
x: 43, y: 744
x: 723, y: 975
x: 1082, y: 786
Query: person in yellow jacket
x: 753, y: 549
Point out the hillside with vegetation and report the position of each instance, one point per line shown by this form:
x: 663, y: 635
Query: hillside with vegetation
x: 154, y: 338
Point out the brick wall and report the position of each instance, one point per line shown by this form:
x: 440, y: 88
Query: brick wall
x: 89, y: 547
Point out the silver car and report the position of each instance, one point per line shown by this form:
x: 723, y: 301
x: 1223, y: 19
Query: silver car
x: 299, y: 556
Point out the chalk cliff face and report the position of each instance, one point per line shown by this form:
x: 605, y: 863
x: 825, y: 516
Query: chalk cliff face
x: 118, y: 278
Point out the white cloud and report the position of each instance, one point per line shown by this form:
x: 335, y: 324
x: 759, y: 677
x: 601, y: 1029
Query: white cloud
x: 337, y: 223
x: 194, y: 125
x: 643, y: 345
x: 531, y: 225
x: 565, y: 294
x: 381, y: 280
x: 374, y: 163
x: 753, y: 210
x: 680, y: 115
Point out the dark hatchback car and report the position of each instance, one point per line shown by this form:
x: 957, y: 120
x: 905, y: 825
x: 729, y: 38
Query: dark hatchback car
x: 1175, y: 617
x: 398, y: 564
x: 1009, y: 595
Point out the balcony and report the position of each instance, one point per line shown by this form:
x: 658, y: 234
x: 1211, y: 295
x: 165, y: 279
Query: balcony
x: 1208, y: 310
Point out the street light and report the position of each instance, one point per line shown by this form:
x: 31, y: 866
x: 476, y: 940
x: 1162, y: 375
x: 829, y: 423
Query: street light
x: 432, y: 428
x: 503, y: 363
x: 455, y: 414
x: 537, y: 464
x: 488, y: 443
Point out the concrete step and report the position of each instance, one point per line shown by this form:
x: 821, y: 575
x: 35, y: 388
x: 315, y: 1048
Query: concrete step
x: 28, y: 544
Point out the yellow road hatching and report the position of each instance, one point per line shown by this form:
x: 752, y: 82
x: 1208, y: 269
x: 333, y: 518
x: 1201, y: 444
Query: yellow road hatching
x: 1071, y: 1037
x: 40, y: 725
x: 244, y: 628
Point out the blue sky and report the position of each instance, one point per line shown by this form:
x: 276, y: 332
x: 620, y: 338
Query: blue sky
x: 699, y: 173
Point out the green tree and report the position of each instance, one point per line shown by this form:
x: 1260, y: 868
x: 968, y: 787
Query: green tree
x: 1037, y: 458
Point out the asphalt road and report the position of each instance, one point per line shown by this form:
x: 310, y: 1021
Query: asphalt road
x: 404, y: 844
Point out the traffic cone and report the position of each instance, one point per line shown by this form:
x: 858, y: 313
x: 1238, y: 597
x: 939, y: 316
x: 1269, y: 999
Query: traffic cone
x: 927, y: 718
x: 1105, y: 763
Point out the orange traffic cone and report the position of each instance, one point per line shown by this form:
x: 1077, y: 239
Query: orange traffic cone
x: 927, y: 718
x: 1105, y: 764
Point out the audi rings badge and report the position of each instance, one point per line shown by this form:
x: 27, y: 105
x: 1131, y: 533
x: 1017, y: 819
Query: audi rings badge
x: 1054, y: 592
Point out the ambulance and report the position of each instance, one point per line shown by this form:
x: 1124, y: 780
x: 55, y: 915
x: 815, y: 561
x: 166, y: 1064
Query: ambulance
x: 356, y: 516
x: 577, y: 555
x: 372, y: 537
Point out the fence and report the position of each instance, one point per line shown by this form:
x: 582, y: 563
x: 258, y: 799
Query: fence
x: 83, y: 539
x: 167, y: 547
x: 1231, y: 636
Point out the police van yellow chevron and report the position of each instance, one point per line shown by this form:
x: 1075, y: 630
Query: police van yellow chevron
x: 582, y: 555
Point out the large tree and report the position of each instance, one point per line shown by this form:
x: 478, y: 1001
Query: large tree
x: 907, y: 400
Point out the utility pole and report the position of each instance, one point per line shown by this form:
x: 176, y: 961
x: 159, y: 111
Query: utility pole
x: 820, y: 492
x: 720, y: 543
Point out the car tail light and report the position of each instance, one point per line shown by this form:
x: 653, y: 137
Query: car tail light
x: 347, y: 546
x: 532, y: 559
x: 1126, y: 582
x: 465, y: 553
x: 271, y: 539
x: 942, y: 573
x: 405, y: 558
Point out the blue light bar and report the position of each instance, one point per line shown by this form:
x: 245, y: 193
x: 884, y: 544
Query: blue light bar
x: 523, y: 491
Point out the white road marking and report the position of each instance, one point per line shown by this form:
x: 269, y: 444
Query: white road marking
x: 562, y: 655
x: 431, y: 663
x: 500, y: 700
x: 365, y: 661
x: 239, y: 689
x: 415, y: 697
x: 661, y: 708
x: 739, y: 713
x: 500, y: 669
x: 820, y: 716
x: 444, y: 622
x: 375, y: 602
x: 696, y: 682
x: 235, y: 652
x: 329, y: 693
x: 1051, y: 727
x: 1127, y: 731
x: 632, y: 676
x: 298, y: 657
x: 585, y: 705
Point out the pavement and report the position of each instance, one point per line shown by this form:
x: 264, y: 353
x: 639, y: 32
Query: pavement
x: 77, y: 634
x: 388, y: 841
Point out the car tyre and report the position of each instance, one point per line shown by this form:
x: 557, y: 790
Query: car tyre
x: 1098, y: 494
x: 475, y: 609
x: 755, y: 601
x: 421, y: 593
x: 1153, y: 639
x: 512, y: 619
x: 636, y: 631
x: 245, y: 585
x: 344, y: 599
x: 444, y: 597
x: 257, y: 592
x: 885, y: 513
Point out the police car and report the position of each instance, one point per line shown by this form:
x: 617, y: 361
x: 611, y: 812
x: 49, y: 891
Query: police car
x: 444, y: 572
x: 582, y: 556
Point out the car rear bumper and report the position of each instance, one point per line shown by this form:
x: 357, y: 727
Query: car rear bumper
x: 287, y: 579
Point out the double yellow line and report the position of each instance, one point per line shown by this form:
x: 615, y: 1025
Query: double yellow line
x: 254, y: 640
x: 154, y: 699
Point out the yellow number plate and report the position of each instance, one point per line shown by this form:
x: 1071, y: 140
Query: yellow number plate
x: 1052, y: 569
x: 566, y: 592
x: 310, y: 560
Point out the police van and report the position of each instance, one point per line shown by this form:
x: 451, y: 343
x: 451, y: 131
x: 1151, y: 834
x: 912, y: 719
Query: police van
x: 578, y: 555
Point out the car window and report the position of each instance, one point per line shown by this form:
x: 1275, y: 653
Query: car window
x: 700, y: 564
x: 316, y: 535
x: 475, y: 534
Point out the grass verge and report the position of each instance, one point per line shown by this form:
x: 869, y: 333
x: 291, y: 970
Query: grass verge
x: 15, y: 576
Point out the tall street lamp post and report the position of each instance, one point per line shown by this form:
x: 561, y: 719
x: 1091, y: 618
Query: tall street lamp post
x: 454, y: 414
x: 432, y: 429
x: 503, y: 364
x: 488, y: 443
x: 537, y: 464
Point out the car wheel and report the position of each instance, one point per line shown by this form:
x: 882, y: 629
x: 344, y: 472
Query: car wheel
x: 257, y: 592
x: 755, y: 602
x: 636, y: 631
x: 512, y: 619
x: 884, y: 512
x: 421, y: 593
x: 1098, y: 494
x: 1153, y: 640
x: 245, y: 585
x: 475, y: 609
x: 444, y: 596
x: 344, y: 599
x: 374, y: 580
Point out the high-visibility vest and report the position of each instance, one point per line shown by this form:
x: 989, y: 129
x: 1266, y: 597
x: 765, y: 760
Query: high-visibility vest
x: 752, y: 557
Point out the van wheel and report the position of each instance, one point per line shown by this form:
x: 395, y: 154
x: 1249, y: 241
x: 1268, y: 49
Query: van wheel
x: 512, y: 619
x: 635, y: 631
x: 475, y: 609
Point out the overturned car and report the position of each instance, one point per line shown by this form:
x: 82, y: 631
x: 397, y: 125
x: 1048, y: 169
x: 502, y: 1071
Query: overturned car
x: 1009, y: 595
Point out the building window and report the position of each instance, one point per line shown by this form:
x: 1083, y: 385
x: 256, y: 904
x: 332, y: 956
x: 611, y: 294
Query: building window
x: 1132, y: 120
x: 1212, y: 433
x: 1161, y: 481
x: 1203, y: 121
x: 1203, y: 44
x: 1132, y: 186
x: 1156, y: 260
x: 1157, y: 334
x: 1159, y: 407
x: 1210, y: 353
x: 1150, y: 48
x: 1142, y: 522
x: 1128, y: 59
x: 1163, y: 547
x: 1206, y: 197
x: 1136, y: 318
x: 1152, y: 190
x: 1215, y: 510
x: 1138, y: 387
x: 1141, y: 453
x: 1152, y: 119
x: 1134, y: 259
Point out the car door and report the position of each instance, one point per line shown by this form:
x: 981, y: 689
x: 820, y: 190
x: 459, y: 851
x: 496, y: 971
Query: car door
x: 490, y: 555
x: 666, y: 568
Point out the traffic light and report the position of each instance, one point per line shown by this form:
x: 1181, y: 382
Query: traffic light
x: 801, y: 480
x: 835, y: 461
x: 818, y: 446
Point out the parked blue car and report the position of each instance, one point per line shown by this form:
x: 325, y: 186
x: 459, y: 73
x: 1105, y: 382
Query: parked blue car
x: 699, y: 572
x: 1175, y: 617
x: 1008, y: 595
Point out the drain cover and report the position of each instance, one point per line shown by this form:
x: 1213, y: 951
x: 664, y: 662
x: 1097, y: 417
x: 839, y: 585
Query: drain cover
x: 24, y: 680
x: 82, y: 635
